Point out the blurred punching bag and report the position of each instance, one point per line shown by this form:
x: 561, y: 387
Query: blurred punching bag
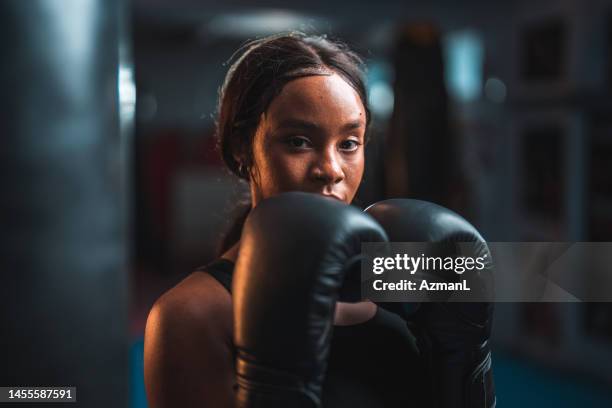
x: 421, y: 155
x: 63, y: 287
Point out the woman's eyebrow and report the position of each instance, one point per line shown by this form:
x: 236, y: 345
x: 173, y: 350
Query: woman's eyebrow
x: 352, y: 125
x: 294, y: 123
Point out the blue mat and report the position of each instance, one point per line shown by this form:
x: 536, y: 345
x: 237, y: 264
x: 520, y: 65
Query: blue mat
x: 519, y: 383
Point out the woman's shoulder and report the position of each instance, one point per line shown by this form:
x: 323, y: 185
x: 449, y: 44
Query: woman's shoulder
x: 197, y: 301
x: 189, y: 331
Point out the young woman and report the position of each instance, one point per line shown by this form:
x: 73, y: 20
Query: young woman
x: 292, y: 117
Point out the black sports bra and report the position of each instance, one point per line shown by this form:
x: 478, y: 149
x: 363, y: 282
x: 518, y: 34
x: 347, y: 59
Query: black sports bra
x: 371, y: 364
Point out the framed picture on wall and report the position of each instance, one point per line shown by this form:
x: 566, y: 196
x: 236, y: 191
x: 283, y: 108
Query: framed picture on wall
x: 599, y: 187
x: 543, y: 50
x: 542, y: 161
x: 549, y: 169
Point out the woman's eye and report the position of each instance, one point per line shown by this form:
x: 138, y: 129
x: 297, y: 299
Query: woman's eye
x: 349, y: 145
x: 298, y: 142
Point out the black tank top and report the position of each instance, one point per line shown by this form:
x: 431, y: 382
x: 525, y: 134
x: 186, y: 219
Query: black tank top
x: 371, y: 364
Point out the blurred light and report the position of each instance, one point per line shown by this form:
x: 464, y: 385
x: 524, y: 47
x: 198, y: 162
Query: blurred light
x: 464, y: 55
x: 259, y: 23
x: 381, y: 99
x: 127, y: 93
x: 495, y: 90
x: 380, y: 92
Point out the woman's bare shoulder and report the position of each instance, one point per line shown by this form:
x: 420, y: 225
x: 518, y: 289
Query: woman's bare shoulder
x: 198, y: 300
x: 189, y: 332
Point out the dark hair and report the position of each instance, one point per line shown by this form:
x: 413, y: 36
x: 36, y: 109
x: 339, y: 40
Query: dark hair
x: 260, y: 70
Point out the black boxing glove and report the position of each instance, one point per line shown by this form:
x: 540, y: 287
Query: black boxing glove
x: 454, y: 336
x: 294, y: 253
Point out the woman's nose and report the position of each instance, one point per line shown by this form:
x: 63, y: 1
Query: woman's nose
x: 328, y: 168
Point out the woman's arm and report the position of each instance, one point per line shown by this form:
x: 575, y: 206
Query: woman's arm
x: 188, y: 359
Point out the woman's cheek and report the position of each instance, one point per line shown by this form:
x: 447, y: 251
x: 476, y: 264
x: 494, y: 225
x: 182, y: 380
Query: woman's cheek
x: 356, y: 163
x: 295, y: 171
x: 288, y: 171
x: 354, y: 172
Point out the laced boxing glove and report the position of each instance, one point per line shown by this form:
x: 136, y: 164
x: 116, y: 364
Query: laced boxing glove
x: 295, y: 251
x: 454, y: 336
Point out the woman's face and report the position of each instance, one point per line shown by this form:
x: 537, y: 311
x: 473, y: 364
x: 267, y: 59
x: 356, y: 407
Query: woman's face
x: 310, y: 139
